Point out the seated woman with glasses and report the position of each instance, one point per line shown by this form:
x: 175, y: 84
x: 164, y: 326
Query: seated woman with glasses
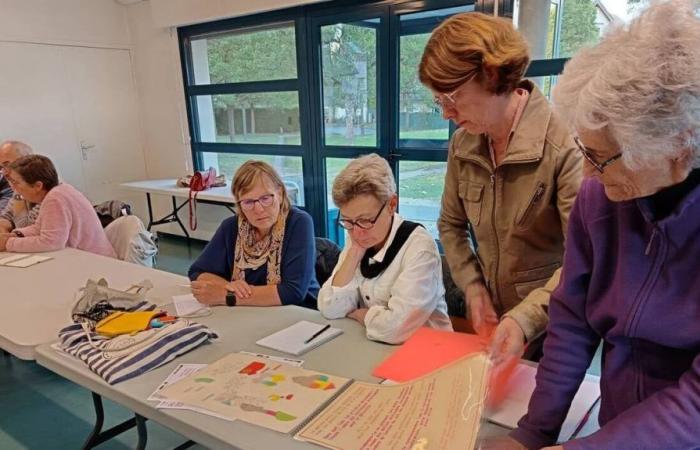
x: 66, y: 218
x: 389, y: 276
x: 513, y: 172
x: 264, y: 255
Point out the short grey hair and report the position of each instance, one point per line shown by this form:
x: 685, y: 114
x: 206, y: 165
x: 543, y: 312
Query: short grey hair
x: 641, y: 83
x: 20, y: 148
x: 366, y: 175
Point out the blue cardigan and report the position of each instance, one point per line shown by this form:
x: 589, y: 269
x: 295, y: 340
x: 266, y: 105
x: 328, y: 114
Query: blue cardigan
x: 298, y: 286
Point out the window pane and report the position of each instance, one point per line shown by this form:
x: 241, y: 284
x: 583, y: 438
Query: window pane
x: 336, y: 233
x: 268, y: 54
x: 256, y: 118
x: 289, y: 168
x: 420, y: 191
x: 419, y: 117
x: 559, y: 28
x: 349, y: 68
x: 420, y: 121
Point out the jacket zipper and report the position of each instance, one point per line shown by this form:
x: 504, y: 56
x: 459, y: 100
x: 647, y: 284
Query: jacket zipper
x: 643, y: 297
x: 495, y: 232
x: 539, y: 192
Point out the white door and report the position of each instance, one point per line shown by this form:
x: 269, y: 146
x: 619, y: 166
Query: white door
x: 35, y: 106
x: 105, y: 112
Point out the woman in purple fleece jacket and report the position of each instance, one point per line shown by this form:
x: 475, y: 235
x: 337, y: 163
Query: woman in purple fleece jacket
x: 631, y: 269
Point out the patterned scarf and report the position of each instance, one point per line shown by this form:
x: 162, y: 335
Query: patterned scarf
x: 249, y: 253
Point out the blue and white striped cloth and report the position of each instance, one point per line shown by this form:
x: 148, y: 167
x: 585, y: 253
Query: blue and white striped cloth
x: 124, y: 357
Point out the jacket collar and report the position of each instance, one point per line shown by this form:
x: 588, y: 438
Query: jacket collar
x: 379, y: 256
x: 527, y: 143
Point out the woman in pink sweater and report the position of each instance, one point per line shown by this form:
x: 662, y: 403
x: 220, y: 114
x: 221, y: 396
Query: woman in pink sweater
x: 66, y: 217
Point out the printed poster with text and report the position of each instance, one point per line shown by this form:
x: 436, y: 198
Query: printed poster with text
x: 441, y: 411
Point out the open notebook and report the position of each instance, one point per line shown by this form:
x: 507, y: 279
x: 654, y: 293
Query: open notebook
x: 22, y: 260
x: 293, y: 339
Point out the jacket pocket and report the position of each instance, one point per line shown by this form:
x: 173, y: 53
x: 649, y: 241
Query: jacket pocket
x: 536, y: 273
x: 535, y: 199
x: 524, y: 289
x: 472, y: 195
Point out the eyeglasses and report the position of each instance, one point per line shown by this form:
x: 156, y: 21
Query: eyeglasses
x: 364, y: 224
x: 587, y: 154
x: 439, y: 100
x: 265, y: 201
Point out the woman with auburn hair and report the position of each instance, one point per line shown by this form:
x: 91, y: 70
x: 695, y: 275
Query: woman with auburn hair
x: 513, y: 172
x: 262, y: 256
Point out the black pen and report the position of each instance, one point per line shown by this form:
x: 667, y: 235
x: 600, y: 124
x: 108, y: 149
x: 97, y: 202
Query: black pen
x: 317, y: 334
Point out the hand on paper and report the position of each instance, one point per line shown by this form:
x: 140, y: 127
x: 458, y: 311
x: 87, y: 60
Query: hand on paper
x: 508, y: 341
x: 210, y: 292
x: 359, y: 315
x: 3, y: 240
x: 483, y: 316
x: 500, y: 443
x: 240, y: 288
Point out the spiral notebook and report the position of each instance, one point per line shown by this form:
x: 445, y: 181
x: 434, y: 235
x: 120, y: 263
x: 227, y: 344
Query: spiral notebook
x: 293, y: 339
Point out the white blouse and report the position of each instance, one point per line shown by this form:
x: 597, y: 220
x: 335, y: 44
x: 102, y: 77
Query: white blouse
x: 406, y: 296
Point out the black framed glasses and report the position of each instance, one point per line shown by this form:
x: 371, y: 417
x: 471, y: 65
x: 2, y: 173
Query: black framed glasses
x: 364, y: 224
x: 265, y: 201
x: 589, y: 157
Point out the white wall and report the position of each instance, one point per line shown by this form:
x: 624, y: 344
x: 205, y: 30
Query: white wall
x: 169, y: 13
x: 36, y: 36
x: 101, y: 23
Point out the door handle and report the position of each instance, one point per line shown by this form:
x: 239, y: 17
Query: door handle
x: 84, y: 149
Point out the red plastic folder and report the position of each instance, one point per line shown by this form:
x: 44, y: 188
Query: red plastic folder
x: 427, y: 350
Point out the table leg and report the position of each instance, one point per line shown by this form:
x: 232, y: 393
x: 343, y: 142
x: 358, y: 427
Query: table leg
x: 177, y: 218
x: 150, y: 211
x: 143, y: 432
x: 97, y: 436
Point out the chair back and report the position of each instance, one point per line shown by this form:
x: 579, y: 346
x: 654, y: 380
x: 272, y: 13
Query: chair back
x: 131, y: 241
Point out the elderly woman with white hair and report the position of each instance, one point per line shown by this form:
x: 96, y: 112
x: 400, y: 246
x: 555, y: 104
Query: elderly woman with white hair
x: 630, y: 274
x: 389, y: 276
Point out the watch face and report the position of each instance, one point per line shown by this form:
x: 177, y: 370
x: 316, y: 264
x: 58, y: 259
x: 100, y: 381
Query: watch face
x: 231, y: 299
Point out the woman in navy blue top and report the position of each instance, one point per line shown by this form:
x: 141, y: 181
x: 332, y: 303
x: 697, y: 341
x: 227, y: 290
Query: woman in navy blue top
x: 264, y: 255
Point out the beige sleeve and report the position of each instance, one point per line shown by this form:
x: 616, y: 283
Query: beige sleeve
x: 452, y: 226
x: 531, y: 313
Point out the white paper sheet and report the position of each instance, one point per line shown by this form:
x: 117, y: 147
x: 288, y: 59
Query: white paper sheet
x: 521, y: 386
x: 186, y: 305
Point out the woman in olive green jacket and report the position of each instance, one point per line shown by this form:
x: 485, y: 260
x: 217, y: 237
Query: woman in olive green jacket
x: 513, y: 172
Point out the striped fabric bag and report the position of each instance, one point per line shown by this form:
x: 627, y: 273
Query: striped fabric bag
x: 127, y: 356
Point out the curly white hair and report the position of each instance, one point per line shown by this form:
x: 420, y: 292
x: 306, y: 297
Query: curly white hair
x: 642, y: 83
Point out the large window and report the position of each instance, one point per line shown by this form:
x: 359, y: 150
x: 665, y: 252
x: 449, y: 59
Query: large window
x: 309, y: 88
x: 243, y: 95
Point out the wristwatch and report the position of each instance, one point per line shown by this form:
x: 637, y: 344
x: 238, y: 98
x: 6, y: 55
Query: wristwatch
x: 230, y: 299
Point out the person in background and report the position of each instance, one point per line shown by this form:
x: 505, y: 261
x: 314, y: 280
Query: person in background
x: 66, y: 218
x: 262, y: 256
x: 513, y: 171
x: 630, y: 273
x: 16, y: 212
x: 389, y: 276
